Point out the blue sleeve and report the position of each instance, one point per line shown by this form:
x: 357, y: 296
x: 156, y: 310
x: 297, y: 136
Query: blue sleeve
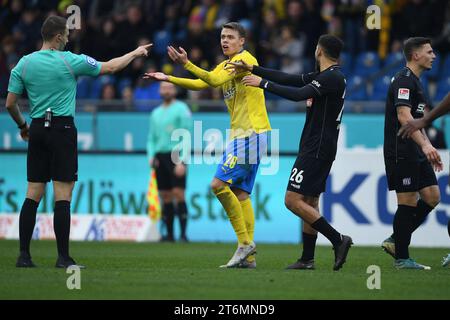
x: 15, y: 80
x: 83, y: 65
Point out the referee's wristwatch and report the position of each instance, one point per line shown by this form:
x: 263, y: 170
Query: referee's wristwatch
x: 22, y: 126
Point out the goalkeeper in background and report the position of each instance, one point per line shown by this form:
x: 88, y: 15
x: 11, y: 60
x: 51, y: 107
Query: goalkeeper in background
x: 235, y: 175
x: 167, y: 160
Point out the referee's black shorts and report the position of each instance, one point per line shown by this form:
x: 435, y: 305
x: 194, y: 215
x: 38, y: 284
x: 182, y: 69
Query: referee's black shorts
x: 52, y: 152
x: 165, y: 173
x: 407, y: 176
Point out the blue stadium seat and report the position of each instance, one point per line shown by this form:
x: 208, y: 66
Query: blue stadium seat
x: 395, y: 60
x: 83, y: 87
x: 162, y: 39
x: 122, y: 84
x: 446, y: 67
x: 346, y: 63
x: 366, y: 64
x: 97, y: 85
x: 443, y: 88
x: 425, y: 85
x: 360, y: 93
x: 380, y: 88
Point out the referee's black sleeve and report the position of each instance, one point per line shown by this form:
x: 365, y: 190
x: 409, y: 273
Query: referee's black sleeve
x: 291, y: 93
x: 288, y: 79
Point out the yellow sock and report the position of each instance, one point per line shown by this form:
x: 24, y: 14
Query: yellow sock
x: 233, y: 209
x: 249, y: 218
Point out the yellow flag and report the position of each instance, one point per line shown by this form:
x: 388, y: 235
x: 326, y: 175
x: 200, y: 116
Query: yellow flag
x: 154, y: 207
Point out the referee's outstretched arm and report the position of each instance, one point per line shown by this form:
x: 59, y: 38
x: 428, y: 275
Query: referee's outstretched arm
x: 117, y: 64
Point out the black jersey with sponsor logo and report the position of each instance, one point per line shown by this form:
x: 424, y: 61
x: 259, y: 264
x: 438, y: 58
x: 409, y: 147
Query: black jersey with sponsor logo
x: 405, y: 90
x: 323, y: 114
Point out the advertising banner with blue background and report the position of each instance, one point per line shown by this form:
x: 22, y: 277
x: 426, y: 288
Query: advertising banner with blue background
x: 356, y: 200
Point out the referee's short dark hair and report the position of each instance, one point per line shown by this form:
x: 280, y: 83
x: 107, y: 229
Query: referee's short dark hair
x: 52, y: 26
x: 331, y: 45
x: 237, y: 27
x: 412, y: 44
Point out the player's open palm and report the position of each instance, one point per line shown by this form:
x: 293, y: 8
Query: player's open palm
x: 177, y: 56
x: 156, y: 76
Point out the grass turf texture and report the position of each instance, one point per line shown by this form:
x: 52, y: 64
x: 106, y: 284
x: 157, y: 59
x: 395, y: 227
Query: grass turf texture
x: 190, y: 271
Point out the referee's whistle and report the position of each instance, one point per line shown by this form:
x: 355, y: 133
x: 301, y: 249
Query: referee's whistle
x: 48, y: 118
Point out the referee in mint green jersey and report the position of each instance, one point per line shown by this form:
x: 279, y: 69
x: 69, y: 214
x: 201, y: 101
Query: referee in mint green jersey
x: 168, y: 157
x: 50, y: 78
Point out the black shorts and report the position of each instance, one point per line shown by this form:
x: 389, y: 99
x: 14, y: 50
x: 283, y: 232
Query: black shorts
x: 52, y: 152
x: 309, y: 176
x: 405, y: 176
x: 165, y: 173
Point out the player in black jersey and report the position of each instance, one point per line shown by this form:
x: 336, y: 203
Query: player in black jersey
x: 416, y: 124
x: 409, y: 162
x: 324, y: 91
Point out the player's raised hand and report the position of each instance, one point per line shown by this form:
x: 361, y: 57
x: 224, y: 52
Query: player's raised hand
x: 177, y: 56
x: 238, y: 66
x: 156, y: 76
x: 142, y: 51
x: 410, y: 127
x: 253, y: 81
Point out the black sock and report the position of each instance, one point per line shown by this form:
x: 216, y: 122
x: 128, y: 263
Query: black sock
x: 27, y: 220
x: 421, y: 213
x: 182, y: 215
x: 403, y: 221
x: 168, y: 212
x: 309, y: 246
x: 61, y: 225
x: 327, y: 230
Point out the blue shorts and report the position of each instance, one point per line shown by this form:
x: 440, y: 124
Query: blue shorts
x: 240, y: 161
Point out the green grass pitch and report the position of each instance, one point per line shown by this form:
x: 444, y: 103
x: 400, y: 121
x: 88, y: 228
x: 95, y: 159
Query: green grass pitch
x: 118, y: 270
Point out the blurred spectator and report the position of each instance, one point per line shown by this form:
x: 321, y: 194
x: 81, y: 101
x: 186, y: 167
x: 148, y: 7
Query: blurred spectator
x: 146, y: 90
x: 108, y: 97
x: 205, y: 13
x: 352, y: 15
x: 230, y: 10
x: 132, y: 29
x: 106, y: 43
x: 442, y: 41
x: 290, y: 49
x: 128, y: 98
x: 9, y: 16
x: 268, y: 33
x: 313, y: 27
x: 27, y: 31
